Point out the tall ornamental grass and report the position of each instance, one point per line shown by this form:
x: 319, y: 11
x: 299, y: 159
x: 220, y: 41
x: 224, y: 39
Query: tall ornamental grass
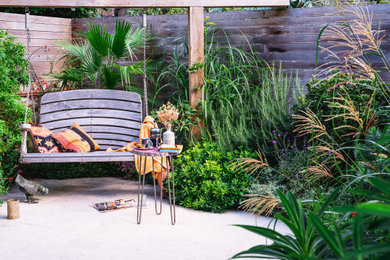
x: 244, y: 99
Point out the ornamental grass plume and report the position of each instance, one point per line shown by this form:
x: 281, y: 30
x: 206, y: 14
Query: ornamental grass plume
x: 307, y: 123
x: 260, y: 204
x: 167, y: 114
x: 351, y: 41
x: 364, y: 121
x: 316, y: 172
x: 251, y: 165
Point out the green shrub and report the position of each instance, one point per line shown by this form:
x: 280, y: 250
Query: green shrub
x: 356, y: 232
x: 286, y: 175
x: 321, y: 94
x: 244, y: 99
x: 205, y: 179
x: 13, y: 69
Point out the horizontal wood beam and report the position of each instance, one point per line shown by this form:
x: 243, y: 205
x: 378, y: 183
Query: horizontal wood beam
x: 142, y: 3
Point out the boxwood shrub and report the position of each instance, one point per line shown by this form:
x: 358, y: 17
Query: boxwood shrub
x: 205, y: 180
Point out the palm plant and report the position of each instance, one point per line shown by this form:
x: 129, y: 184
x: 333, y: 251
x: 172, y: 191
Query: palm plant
x: 101, y: 56
x: 364, y: 235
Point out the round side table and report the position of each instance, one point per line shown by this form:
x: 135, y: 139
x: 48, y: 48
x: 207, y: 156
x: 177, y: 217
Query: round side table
x: 166, y: 160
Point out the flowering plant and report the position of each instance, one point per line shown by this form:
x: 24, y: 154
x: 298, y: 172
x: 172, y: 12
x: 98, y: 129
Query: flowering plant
x: 42, y: 85
x: 167, y: 114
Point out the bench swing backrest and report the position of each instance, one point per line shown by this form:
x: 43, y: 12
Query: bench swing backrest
x: 111, y: 117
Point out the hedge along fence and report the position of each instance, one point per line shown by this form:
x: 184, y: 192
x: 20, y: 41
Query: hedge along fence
x: 288, y: 36
x: 44, y: 32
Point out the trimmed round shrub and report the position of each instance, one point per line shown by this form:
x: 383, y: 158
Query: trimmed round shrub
x: 205, y: 179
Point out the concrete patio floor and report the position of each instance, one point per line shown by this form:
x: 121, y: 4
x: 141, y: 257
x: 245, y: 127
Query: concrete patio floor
x: 63, y: 226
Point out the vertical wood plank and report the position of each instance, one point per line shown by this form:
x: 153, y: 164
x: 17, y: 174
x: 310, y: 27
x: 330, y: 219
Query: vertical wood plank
x: 196, y: 55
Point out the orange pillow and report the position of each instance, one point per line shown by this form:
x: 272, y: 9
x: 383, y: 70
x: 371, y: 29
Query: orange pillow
x: 76, y: 139
x: 43, y: 140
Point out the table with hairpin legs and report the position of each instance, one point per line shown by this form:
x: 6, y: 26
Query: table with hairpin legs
x: 167, y: 160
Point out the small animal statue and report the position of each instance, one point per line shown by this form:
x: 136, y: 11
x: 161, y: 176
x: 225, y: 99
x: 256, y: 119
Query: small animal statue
x: 30, y: 188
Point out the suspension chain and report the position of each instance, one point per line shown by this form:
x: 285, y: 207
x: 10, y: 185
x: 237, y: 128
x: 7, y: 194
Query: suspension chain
x: 145, y: 82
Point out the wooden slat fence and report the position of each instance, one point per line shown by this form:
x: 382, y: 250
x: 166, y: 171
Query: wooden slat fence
x: 288, y: 36
x: 44, y: 31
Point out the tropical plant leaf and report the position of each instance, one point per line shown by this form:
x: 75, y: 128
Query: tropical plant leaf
x: 374, y: 209
x: 135, y: 39
x: 110, y: 77
x: 99, y: 38
x: 367, y: 251
x: 381, y: 184
x: 91, y: 63
x: 118, y: 47
x: 327, y: 235
x: 266, y: 232
x: 329, y: 200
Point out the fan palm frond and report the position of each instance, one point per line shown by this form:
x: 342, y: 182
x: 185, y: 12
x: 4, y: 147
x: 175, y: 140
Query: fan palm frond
x: 118, y: 47
x: 110, y: 77
x: 134, y: 41
x: 99, y: 38
x: 91, y: 64
x: 75, y: 49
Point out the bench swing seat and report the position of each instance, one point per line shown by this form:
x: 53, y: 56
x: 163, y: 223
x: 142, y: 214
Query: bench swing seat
x: 111, y: 117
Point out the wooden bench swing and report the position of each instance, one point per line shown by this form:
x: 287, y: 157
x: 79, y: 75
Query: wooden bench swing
x: 111, y: 117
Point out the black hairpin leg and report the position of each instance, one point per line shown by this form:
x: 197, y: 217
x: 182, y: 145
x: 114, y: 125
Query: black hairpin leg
x: 140, y: 190
x: 158, y: 212
x: 172, y: 206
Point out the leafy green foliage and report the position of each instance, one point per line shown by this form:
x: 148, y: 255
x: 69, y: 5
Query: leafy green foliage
x: 205, y: 179
x: 313, y: 238
x: 321, y: 94
x: 13, y: 69
x: 238, y: 87
x: 96, y: 59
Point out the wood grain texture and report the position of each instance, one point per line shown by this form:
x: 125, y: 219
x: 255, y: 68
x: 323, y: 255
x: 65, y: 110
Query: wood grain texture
x: 141, y: 3
x: 88, y: 113
x: 111, y: 117
x: 98, y: 156
x: 44, y: 32
x: 196, y: 57
x: 91, y: 94
x: 288, y: 36
x: 93, y: 103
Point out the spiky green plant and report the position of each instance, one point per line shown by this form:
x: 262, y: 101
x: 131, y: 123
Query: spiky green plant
x: 99, y: 56
x: 244, y: 99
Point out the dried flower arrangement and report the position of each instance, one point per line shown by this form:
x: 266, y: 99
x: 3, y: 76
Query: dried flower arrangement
x: 167, y: 114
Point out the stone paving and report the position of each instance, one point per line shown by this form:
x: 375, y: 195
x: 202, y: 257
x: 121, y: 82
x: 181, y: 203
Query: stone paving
x: 63, y: 226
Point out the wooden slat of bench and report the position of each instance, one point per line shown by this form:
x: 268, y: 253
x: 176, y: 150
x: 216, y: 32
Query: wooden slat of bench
x: 111, y: 143
x: 111, y: 117
x: 88, y: 123
x: 91, y: 93
x: 90, y: 104
x: 88, y: 113
x: 118, y: 137
x: 77, y: 157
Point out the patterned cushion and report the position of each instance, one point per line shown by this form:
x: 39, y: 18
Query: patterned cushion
x: 43, y: 140
x: 76, y: 139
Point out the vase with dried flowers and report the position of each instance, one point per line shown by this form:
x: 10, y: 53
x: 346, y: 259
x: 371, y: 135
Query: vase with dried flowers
x: 166, y: 115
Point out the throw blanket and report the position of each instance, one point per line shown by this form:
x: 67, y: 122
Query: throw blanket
x: 160, y: 167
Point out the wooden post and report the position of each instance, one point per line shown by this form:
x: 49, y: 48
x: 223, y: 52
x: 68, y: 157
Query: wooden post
x: 196, y: 56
